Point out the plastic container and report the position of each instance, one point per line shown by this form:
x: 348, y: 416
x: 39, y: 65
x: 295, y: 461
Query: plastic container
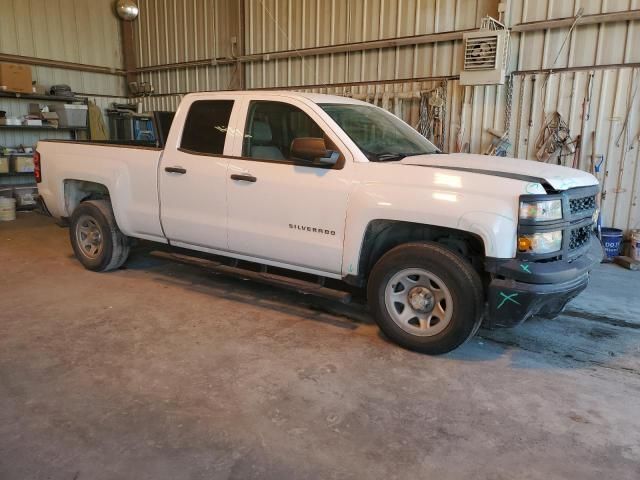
x: 635, y: 245
x: 611, y: 239
x: 7, y: 209
x: 23, y: 164
x: 71, y: 115
x: 25, y: 196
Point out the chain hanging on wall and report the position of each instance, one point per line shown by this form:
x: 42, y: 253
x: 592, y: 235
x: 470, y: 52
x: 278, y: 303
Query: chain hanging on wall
x: 443, y: 146
x: 508, y: 107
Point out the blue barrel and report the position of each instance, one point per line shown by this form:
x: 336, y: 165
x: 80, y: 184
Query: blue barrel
x: 611, y: 239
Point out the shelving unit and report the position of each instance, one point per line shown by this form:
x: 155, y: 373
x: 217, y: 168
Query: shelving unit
x: 46, y: 98
x: 40, y: 127
x: 32, y: 133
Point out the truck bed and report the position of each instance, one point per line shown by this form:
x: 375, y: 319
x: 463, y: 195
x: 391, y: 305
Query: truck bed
x: 128, y: 172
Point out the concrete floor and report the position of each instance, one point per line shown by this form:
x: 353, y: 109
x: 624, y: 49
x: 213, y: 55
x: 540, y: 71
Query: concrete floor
x: 163, y: 371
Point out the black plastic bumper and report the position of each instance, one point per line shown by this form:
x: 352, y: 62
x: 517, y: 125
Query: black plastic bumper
x: 546, y: 289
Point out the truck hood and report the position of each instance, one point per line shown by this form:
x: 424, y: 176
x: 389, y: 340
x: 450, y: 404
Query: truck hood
x: 554, y: 176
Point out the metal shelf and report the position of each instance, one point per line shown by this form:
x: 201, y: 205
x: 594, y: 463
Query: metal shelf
x: 40, y: 127
x: 15, y: 174
x: 48, y: 98
x: 45, y: 98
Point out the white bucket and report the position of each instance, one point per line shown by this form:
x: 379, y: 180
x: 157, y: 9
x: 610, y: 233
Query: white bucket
x: 635, y: 244
x: 7, y: 209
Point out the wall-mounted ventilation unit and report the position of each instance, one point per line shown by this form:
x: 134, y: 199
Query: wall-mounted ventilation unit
x: 485, y: 54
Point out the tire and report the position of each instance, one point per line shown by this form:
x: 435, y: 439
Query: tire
x: 438, y: 287
x: 105, y: 250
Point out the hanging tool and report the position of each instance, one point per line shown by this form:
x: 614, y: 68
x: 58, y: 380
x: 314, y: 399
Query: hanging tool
x: 499, y: 144
x: 577, y: 152
x: 533, y: 94
x: 432, y: 111
x: 586, y: 114
x: 625, y: 125
x: 554, y: 140
x: 596, y: 165
x: 463, y: 115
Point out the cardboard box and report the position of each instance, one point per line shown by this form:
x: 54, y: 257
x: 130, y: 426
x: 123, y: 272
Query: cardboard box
x: 50, y: 118
x: 35, y: 109
x: 15, y: 78
x: 4, y: 165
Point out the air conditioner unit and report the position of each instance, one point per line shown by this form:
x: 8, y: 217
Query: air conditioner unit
x: 485, y: 54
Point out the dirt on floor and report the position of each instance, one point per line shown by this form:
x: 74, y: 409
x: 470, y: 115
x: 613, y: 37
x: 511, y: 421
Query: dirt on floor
x: 166, y: 371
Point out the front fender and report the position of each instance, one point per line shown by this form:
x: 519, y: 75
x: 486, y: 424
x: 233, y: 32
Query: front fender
x: 455, y: 209
x: 497, y: 232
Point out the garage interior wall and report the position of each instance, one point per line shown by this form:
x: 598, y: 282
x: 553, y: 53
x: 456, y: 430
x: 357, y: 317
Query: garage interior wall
x: 195, y: 45
x: 80, y: 32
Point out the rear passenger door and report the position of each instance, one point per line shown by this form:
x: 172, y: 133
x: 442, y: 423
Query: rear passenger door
x: 193, y: 174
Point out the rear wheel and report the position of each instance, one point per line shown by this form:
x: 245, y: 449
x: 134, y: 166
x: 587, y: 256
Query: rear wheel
x: 425, y: 297
x: 95, y: 237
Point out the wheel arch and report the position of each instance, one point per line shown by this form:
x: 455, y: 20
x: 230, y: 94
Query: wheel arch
x: 78, y: 191
x: 382, y: 235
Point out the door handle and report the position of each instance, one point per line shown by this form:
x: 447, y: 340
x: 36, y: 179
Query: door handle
x: 244, y: 178
x: 179, y: 170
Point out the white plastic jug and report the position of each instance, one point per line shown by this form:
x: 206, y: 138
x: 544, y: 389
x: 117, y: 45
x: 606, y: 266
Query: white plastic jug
x: 7, y: 209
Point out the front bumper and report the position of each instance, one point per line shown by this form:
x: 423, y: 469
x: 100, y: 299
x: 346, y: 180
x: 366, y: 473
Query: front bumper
x: 520, y: 290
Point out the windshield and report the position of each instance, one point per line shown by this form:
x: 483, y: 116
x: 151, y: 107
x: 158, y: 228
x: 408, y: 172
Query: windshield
x: 382, y: 137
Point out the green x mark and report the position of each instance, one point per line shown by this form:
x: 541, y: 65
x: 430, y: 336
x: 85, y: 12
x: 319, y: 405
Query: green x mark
x: 508, y: 298
x: 525, y: 267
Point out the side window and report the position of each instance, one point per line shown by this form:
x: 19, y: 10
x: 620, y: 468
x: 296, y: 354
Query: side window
x: 206, y: 126
x: 272, y: 126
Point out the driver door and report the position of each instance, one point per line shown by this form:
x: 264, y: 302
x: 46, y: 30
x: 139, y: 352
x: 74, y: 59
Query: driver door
x: 283, y: 209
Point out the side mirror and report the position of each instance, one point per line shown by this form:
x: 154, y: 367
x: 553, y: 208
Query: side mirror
x: 313, y: 150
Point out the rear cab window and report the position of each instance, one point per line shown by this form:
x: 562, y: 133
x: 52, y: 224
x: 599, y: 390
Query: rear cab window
x: 205, y: 129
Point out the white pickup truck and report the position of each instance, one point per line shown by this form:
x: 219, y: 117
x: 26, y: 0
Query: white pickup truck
x: 336, y: 188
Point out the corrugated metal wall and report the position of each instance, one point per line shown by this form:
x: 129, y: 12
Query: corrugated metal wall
x: 596, y: 44
x: 614, y: 95
x: 78, y: 31
x: 174, y: 31
x: 187, y: 30
x: 274, y: 25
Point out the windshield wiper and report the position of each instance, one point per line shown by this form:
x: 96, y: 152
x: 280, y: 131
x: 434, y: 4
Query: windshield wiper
x: 389, y: 157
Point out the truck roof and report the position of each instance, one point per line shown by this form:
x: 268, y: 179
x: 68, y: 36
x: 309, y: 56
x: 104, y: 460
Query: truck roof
x: 314, y: 97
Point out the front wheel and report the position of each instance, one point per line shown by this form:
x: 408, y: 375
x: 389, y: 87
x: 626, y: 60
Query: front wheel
x: 95, y: 237
x: 425, y: 297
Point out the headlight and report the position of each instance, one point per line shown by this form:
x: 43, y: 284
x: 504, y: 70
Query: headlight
x: 546, y: 242
x: 541, y: 211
